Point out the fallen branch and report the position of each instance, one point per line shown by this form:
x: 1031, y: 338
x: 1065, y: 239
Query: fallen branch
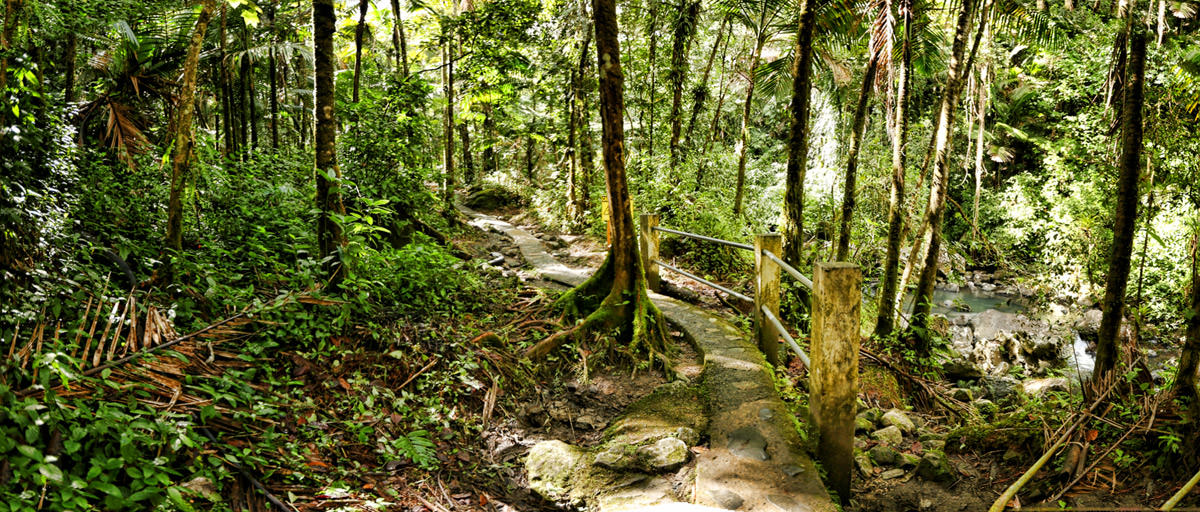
x: 1170, y: 504
x: 1007, y: 496
x: 1093, y: 465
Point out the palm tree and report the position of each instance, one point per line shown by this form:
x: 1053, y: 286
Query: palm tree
x: 797, y: 164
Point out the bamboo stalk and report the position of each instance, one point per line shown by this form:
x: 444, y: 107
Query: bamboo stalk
x: 104, y: 337
x: 131, y: 338
x: 1183, y: 491
x: 91, y: 332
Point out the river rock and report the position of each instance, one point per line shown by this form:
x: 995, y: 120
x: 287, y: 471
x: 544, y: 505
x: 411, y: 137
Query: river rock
x: 727, y: 499
x: 962, y: 394
x: 892, y: 473
x: 891, y: 436
x: 935, y: 467
x: 883, y: 455
x: 668, y: 454
x: 1088, y: 323
x: 863, y: 463
x: 862, y: 424
x: 908, y: 460
x: 1039, y: 387
x: 550, y: 466
x: 961, y: 369
x: 490, y: 198
x: 999, y: 388
x: 897, y: 418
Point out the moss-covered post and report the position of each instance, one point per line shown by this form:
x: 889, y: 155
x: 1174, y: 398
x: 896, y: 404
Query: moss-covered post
x: 766, y: 293
x: 837, y: 296
x: 649, y: 239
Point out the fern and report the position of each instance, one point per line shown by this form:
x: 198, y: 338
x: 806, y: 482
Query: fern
x: 418, y: 448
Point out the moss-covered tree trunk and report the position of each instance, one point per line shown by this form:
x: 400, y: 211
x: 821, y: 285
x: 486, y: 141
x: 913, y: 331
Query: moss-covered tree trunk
x: 448, y: 120
x: 1189, y: 357
x: 885, y: 320
x: 797, y: 164
x: 936, y: 208
x: 685, y: 26
x: 274, y: 70
x: 615, y: 298
x: 182, y: 155
x: 700, y: 94
x: 745, y: 133
x: 329, y: 197
x: 360, y: 31
x: 1125, y: 217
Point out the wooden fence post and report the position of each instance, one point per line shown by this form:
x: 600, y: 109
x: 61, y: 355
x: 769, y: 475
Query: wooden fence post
x: 649, y: 242
x: 766, y: 293
x: 837, y: 297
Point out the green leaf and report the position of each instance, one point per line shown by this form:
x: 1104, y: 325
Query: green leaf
x: 30, y: 452
x: 50, y: 471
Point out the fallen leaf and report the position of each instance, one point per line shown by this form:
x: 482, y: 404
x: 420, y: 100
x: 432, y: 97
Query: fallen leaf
x: 345, y: 385
x: 1091, y: 435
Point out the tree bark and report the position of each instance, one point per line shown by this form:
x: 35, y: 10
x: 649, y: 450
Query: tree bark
x: 652, y: 33
x: 329, y: 196
x: 72, y: 50
x: 360, y: 31
x: 489, y: 131
x: 685, y: 27
x: 12, y: 11
x: 745, y: 133
x: 464, y: 134
x: 182, y: 154
x: 981, y: 119
x: 248, y: 69
x: 1189, y: 357
x: 936, y: 208
x: 448, y: 85
x: 885, y: 320
x: 1125, y: 217
x: 223, y: 79
x: 398, y: 42
x: 274, y: 70
x: 793, y: 195
x: 858, y: 126
x: 700, y: 94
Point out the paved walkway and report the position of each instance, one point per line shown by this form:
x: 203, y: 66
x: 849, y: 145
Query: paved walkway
x: 754, y: 461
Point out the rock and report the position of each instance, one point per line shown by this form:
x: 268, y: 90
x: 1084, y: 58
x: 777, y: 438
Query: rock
x: 1011, y: 455
x: 204, y: 487
x: 590, y: 422
x: 961, y: 369
x: 933, y: 444
x: 999, y: 388
x: 550, y: 466
x: 617, y: 457
x: 1088, y: 324
x: 891, y: 436
x: 726, y: 499
x: 908, y: 460
x: 792, y: 469
x: 872, y: 415
x: 748, y: 442
x: 863, y: 463
x: 985, y: 407
x: 490, y: 198
x: 892, y: 473
x: 668, y: 454
x: 951, y: 287
x: 962, y: 394
x: 897, y: 418
x: 687, y: 435
x: 935, y: 467
x: 533, y: 415
x: 883, y: 454
x: 1039, y: 387
x: 926, y: 435
x: 862, y: 424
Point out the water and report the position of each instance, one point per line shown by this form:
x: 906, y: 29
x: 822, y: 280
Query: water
x: 1079, y: 361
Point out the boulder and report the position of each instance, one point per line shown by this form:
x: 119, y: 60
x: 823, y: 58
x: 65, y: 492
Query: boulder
x: 1039, y: 387
x: 892, y: 473
x: 908, y: 460
x: 490, y: 198
x: 962, y: 394
x: 891, y: 436
x: 985, y: 407
x: 961, y: 369
x: 897, y: 418
x: 550, y: 466
x: 668, y: 454
x: 935, y: 467
x: 862, y: 424
x: 863, y: 463
x: 883, y: 455
x: 727, y: 499
x: 999, y: 388
x: 1088, y: 323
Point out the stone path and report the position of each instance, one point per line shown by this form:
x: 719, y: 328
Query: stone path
x: 754, y: 461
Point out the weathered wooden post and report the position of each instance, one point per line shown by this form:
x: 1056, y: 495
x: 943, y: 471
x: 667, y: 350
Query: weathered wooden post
x: 837, y: 296
x: 766, y: 293
x: 649, y: 241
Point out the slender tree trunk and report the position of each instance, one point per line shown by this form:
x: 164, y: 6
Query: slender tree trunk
x: 360, y: 31
x: 793, y: 194
x: 223, y: 79
x: 981, y: 119
x: 468, y: 163
x: 72, y: 50
x: 685, y: 27
x: 745, y: 134
x: 586, y: 152
x: 12, y: 12
x: 716, y: 118
x: 700, y: 94
x: 936, y: 208
x: 652, y: 33
x: 530, y: 149
x: 1125, y: 216
x: 571, y: 111
x: 274, y: 70
x: 182, y: 154
x: 858, y: 126
x: 398, y: 42
x: 448, y: 83
x: 329, y: 197
x: 886, y: 317
x: 1069, y: 5
x: 251, y: 96
x: 1189, y: 357
x: 489, y: 131
x: 1162, y: 22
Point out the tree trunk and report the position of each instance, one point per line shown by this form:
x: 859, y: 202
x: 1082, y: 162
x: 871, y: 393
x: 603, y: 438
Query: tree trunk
x: 858, y: 126
x: 271, y: 65
x: 360, y: 30
x: 12, y: 11
x: 329, y: 196
x: 716, y: 118
x: 885, y: 320
x: 936, y: 208
x: 626, y: 305
x: 684, y: 28
x: 579, y: 119
x: 793, y: 194
x: 530, y: 149
x: 448, y: 84
x: 182, y: 154
x: 226, y: 100
x: 72, y: 49
x: 1162, y: 23
x: 745, y: 134
x: 700, y: 94
x: 572, y: 196
x: 398, y: 42
x: 981, y: 119
x: 1189, y: 357
x: 652, y: 33
x: 489, y: 131
x: 1125, y: 216
x: 468, y: 163
x: 248, y: 68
